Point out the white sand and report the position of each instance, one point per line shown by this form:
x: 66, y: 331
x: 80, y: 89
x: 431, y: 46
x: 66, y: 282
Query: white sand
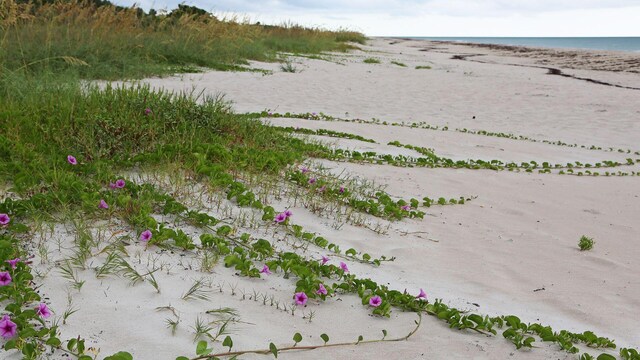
x: 519, y: 235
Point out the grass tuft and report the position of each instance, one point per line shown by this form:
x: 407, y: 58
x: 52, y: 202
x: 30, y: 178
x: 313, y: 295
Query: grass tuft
x: 585, y: 243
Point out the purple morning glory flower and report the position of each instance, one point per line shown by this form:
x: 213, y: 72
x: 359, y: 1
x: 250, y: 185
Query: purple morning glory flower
x: 288, y: 213
x: 5, y: 278
x: 270, y: 113
x: 120, y: 183
x: 265, y: 270
x: 304, y: 170
x: 4, y: 219
x: 8, y: 328
x: 312, y: 181
x: 375, y: 301
x: 14, y: 262
x: 341, y: 191
x: 43, y: 310
x: 422, y: 295
x: 321, y: 290
x: 301, y: 298
x: 146, y: 235
x: 322, y: 188
x: 324, y: 259
x: 280, y: 218
x: 406, y: 207
x: 72, y: 160
x: 147, y: 111
x: 103, y: 204
x: 314, y: 114
x: 344, y: 267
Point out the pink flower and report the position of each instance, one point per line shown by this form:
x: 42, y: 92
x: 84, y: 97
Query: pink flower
x: 304, y: 169
x: 321, y: 290
x: 72, y: 160
x: 146, y: 235
x: 312, y: 181
x: 112, y: 185
x: 8, y: 328
x: 301, y: 298
x: 324, y: 259
x: 43, y: 310
x: 422, y: 295
x: 341, y: 191
x: 4, y: 219
x: 120, y: 184
x: 147, y: 111
x: 14, y: 262
x: 288, y: 213
x: 265, y: 270
x: 322, y: 188
x: 5, y: 278
x: 103, y: 204
x: 344, y: 267
x: 406, y: 207
x: 280, y: 218
x: 375, y: 301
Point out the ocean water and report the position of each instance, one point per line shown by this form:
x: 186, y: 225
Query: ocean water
x: 631, y: 44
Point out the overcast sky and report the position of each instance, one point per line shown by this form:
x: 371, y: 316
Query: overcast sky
x: 436, y: 17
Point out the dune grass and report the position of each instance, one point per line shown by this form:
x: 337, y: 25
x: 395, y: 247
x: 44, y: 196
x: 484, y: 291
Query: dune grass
x: 105, y: 42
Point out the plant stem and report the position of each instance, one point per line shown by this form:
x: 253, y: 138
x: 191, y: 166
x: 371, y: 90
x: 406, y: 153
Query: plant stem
x: 312, y: 347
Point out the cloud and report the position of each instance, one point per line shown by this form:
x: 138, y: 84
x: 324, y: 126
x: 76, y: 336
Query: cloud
x: 442, y: 7
x: 519, y: 7
x: 435, y: 17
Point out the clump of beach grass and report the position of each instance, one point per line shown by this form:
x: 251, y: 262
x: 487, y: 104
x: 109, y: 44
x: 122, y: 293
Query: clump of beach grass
x: 585, y: 243
x: 288, y: 67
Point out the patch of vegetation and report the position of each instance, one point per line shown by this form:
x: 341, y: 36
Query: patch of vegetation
x: 371, y: 61
x: 399, y: 64
x: 571, y: 168
x: 110, y: 42
x: 419, y: 67
x: 288, y: 67
x: 325, y: 132
x: 585, y: 243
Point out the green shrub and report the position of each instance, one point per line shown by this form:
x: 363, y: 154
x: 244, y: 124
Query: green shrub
x: 586, y: 243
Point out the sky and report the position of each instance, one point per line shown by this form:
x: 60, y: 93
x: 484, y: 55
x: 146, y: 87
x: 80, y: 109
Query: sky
x: 434, y: 17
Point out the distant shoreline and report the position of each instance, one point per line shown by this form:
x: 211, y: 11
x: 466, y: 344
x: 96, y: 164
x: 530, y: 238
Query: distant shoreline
x: 630, y: 44
x: 567, y: 58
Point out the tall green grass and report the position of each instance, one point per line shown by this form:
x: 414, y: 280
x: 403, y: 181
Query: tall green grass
x: 107, y: 42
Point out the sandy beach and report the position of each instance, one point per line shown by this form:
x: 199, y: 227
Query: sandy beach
x: 511, y: 249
